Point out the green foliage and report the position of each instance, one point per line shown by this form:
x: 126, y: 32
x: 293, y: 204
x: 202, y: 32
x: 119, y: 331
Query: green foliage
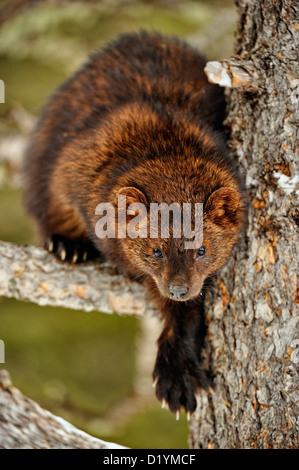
x: 28, y: 83
x: 15, y: 226
x: 153, y: 428
x: 68, y: 359
x: 65, y: 35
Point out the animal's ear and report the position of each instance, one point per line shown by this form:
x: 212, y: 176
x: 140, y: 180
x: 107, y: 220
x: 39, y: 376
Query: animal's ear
x: 224, y: 207
x: 132, y: 212
x: 133, y: 195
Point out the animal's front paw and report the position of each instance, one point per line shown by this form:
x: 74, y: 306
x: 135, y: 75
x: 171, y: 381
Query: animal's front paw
x: 75, y: 251
x: 177, y: 377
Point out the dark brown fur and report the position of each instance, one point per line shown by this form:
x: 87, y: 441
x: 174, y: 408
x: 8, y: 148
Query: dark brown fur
x: 141, y: 119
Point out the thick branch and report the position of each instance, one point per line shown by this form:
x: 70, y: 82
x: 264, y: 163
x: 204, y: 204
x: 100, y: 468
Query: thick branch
x: 233, y: 73
x: 25, y: 425
x: 30, y: 273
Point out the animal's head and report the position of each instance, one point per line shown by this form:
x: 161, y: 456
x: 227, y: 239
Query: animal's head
x: 178, y: 271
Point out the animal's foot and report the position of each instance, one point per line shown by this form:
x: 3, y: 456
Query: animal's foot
x: 177, y: 379
x: 75, y: 251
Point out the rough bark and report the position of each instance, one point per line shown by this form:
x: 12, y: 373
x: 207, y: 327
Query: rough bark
x: 252, y: 315
x: 30, y: 273
x: 25, y: 425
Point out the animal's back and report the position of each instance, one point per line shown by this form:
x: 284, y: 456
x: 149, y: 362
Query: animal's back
x: 166, y: 74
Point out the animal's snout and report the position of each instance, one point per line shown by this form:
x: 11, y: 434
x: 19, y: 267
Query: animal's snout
x: 178, y: 292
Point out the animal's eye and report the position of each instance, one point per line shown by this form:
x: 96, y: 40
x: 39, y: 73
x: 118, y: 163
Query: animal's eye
x: 200, y: 252
x: 157, y: 253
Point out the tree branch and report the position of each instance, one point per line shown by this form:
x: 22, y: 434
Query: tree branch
x: 25, y: 425
x: 233, y: 73
x: 30, y: 273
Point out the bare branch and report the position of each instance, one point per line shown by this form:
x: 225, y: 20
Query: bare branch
x: 25, y: 425
x: 232, y: 73
x: 30, y: 273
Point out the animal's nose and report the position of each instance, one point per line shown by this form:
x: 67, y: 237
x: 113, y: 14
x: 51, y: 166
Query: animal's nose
x: 178, y: 292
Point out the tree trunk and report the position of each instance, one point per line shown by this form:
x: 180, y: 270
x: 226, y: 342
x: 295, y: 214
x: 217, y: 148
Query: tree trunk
x: 251, y: 315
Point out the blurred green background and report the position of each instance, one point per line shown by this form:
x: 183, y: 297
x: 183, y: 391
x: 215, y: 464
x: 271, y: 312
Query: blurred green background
x: 90, y: 368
